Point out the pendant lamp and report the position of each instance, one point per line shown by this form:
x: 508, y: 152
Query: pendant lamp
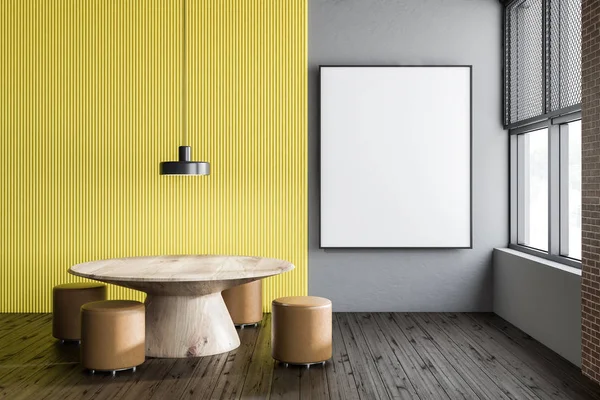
x: 185, y: 165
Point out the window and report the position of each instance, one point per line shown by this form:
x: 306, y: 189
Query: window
x: 542, y: 111
x: 546, y: 188
x: 570, y: 137
x: 533, y: 193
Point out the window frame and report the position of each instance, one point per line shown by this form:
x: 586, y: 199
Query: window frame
x: 557, y: 188
x: 555, y: 120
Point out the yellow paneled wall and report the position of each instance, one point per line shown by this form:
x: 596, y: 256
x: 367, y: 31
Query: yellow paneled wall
x: 90, y: 103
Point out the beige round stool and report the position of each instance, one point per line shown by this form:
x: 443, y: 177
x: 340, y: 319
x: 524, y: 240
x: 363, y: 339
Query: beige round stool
x: 244, y: 303
x: 113, y: 335
x: 67, y: 300
x: 301, y: 330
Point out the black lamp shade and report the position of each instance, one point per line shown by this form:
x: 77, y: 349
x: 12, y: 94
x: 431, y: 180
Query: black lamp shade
x: 184, y: 166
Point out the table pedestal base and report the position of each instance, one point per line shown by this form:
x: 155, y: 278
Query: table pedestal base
x: 180, y: 326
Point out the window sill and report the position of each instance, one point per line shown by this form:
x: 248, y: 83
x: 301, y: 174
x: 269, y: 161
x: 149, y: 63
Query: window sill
x: 563, y: 266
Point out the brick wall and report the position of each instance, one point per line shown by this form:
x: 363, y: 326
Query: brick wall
x: 590, y: 290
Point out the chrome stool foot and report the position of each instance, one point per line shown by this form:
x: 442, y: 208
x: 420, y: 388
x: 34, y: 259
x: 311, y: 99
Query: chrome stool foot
x: 112, y: 372
x: 242, y: 326
x: 70, y: 341
x: 303, y: 365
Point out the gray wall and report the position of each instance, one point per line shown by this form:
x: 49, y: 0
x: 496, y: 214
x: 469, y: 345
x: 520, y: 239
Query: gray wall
x: 525, y: 294
x: 415, y: 32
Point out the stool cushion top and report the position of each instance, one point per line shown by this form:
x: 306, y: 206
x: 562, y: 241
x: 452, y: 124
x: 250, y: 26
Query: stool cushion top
x: 79, y: 285
x: 302, y: 301
x: 112, y: 306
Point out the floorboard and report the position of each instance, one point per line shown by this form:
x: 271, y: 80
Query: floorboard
x: 230, y: 382
x: 366, y: 376
x: 543, y: 387
x: 480, y: 382
x: 340, y: 376
x: 204, y: 377
x: 417, y: 369
x: 538, y: 357
x: 487, y: 362
x: 392, y: 371
x: 313, y: 383
x: 448, y: 377
x: 257, y: 383
x: 286, y: 382
x: 422, y: 356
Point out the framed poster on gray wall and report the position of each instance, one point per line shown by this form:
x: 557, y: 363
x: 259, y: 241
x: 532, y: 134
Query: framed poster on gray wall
x: 395, y: 157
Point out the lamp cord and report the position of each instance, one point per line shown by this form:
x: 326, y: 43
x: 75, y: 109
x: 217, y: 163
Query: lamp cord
x: 184, y: 78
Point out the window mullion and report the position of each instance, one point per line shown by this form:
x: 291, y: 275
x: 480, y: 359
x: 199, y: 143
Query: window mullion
x: 554, y: 189
x: 515, y: 190
x: 564, y: 189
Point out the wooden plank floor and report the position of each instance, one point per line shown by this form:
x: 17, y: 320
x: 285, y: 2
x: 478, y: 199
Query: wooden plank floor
x: 375, y: 356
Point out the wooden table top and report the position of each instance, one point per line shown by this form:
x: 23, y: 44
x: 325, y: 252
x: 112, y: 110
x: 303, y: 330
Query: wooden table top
x: 181, y: 268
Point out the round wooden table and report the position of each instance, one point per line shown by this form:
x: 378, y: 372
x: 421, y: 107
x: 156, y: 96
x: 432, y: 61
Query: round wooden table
x: 185, y: 313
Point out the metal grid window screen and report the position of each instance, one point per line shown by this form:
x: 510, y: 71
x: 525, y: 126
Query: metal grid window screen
x: 524, y: 59
x: 565, y: 54
x: 542, y: 58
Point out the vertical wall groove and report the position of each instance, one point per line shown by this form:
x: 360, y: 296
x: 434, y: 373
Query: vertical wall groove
x: 91, y: 103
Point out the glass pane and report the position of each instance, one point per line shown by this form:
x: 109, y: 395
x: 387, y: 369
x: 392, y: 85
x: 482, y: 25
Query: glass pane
x: 573, y: 185
x: 533, y: 196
